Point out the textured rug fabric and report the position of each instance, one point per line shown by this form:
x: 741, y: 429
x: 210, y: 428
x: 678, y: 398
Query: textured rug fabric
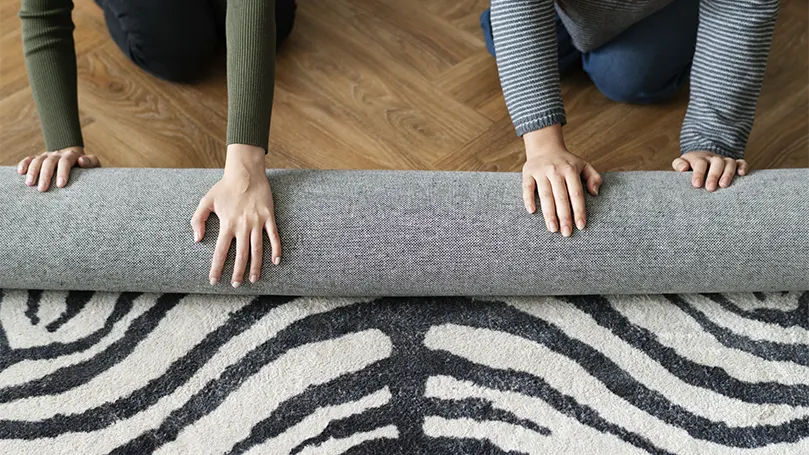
x: 405, y: 233
x: 87, y: 373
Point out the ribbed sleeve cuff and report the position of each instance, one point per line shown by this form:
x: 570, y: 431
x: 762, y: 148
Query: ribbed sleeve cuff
x: 539, y: 121
x: 50, y: 58
x: 251, y: 40
x: 63, y: 136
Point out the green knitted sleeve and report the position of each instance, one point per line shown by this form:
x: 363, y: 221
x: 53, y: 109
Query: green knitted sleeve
x: 250, y: 28
x: 50, y: 58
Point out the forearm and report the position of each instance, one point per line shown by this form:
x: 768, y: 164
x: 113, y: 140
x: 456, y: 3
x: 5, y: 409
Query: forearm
x: 250, y: 28
x: 525, y: 43
x: 50, y: 58
x: 733, y: 44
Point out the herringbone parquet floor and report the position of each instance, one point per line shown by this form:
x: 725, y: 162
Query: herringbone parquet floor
x: 379, y: 84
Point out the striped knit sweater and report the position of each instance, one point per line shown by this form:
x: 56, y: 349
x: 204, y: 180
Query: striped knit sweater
x: 733, y: 43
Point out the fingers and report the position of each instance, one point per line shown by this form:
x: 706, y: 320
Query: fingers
x: 528, y: 190
x: 201, y: 215
x: 256, y: 247
x: 33, y: 170
x: 560, y: 194
x: 41, y: 169
x: 46, y: 172
x: 742, y: 167
x: 681, y: 165
x: 576, y: 192
x: 593, y: 179
x: 220, y: 253
x: 714, y: 172
x: 22, y: 168
x: 66, y: 162
x: 275, y: 240
x: 728, y: 173
x: 700, y: 166
x: 242, y: 251
x: 546, y: 201
x: 88, y: 161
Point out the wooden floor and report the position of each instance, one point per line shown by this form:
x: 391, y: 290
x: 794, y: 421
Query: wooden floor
x: 380, y: 84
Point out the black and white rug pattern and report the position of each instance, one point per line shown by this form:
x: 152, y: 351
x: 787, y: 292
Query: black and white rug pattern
x: 97, y: 373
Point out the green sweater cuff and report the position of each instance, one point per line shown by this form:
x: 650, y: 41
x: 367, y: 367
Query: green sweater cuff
x: 250, y: 28
x: 50, y: 58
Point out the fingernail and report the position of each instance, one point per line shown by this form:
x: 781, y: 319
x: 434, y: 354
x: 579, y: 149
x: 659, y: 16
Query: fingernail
x: 580, y: 224
x: 253, y: 278
x: 566, y: 231
x: 196, y: 237
x: 529, y: 208
x: 60, y: 182
x: 276, y: 260
x: 236, y: 284
x: 553, y: 227
x: 29, y: 181
x: 213, y: 281
x: 596, y: 190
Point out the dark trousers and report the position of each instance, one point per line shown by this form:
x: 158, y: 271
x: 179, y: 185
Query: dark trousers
x: 648, y: 62
x: 176, y: 40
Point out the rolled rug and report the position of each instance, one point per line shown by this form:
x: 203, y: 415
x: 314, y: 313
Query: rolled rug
x: 411, y: 233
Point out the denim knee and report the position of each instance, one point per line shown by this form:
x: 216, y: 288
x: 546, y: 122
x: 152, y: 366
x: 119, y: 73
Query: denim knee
x: 633, y: 82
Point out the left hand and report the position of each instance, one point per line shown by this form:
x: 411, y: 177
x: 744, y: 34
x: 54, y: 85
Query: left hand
x: 720, y: 169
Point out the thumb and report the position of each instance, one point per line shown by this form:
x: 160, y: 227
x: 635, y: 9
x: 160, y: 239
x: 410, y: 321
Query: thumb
x: 201, y: 215
x: 593, y: 178
x: 681, y: 164
x: 88, y: 161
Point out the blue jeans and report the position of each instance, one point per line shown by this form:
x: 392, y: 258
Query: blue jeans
x: 648, y: 62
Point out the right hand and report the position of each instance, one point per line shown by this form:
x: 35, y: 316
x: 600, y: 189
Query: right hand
x: 40, y: 168
x: 242, y: 200
x: 556, y: 174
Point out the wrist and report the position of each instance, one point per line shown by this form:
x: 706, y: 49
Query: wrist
x: 245, y: 156
x: 544, y: 141
x: 77, y: 148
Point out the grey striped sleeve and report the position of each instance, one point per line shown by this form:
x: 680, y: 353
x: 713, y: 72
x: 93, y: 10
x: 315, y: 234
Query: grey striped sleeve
x: 733, y: 43
x: 525, y: 43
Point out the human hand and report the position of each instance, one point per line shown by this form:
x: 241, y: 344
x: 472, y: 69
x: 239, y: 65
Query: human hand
x: 242, y: 200
x: 721, y: 169
x: 41, y: 168
x: 556, y: 174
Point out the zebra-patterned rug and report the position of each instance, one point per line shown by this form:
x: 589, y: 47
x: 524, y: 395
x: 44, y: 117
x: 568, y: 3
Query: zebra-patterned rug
x: 87, y: 373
